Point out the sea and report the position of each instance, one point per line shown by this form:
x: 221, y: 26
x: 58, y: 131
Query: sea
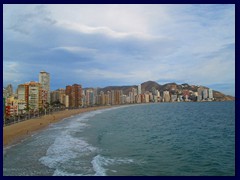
x: 159, y: 139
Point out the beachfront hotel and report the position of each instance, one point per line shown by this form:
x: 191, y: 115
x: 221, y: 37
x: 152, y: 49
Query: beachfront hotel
x: 44, y: 79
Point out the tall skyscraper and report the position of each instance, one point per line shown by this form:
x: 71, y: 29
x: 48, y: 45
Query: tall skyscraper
x: 44, y: 79
x: 30, y: 96
x: 75, y: 95
x: 200, y: 94
x: 210, y: 91
x: 34, y: 100
x: 112, y: 97
x: 205, y: 94
x: 166, y: 96
x: 139, y: 89
x: 23, y: 97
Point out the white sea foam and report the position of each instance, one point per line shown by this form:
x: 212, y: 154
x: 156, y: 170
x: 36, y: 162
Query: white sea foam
x: 85, y: 116
x: 58, y: 172
x: 97, y: 163
x: 100, y: 163
x: 65, y: 148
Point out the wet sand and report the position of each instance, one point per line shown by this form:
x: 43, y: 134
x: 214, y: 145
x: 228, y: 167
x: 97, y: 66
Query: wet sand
x: 16, y: 132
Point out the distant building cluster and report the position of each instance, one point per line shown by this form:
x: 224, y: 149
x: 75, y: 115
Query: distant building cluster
x: 36, y: 96
x: 91, y: 97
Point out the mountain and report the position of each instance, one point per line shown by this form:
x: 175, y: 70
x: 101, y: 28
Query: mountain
x: 147, y: 86
x: 222, y: 97
x: 174, y: 88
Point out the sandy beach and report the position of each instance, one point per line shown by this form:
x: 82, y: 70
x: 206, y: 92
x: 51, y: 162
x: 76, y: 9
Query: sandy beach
x: 16, y: 132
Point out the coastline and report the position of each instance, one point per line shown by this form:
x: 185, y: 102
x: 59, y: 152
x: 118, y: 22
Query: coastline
x: 16, y: 132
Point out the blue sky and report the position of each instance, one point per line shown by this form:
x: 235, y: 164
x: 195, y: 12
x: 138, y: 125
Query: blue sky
x: 102, y: 45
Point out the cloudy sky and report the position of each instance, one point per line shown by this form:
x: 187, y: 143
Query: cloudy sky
x: 102, y: 45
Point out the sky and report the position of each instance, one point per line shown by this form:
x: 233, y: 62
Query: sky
x: 112, y: 45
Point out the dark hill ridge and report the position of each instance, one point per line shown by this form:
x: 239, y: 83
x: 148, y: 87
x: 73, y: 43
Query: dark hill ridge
x: 171, y: 87
x: 148, y: 85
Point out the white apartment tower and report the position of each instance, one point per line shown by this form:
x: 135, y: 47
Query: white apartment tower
x: 139, y: 89
x: 210, y: 91
x: 44, y: 79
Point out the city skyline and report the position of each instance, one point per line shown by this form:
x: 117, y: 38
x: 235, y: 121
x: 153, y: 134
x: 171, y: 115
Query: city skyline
x: 103, y: 45
x: 35, y: 97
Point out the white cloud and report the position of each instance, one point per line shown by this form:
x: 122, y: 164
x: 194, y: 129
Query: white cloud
x: 121, y: 18
x: 127, y: 43
x: 75, y: 49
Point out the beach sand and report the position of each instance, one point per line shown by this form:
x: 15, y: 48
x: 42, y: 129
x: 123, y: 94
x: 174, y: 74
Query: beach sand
x: 16, y: 132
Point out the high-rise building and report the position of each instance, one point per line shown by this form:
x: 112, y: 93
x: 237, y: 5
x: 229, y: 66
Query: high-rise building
x: 200, y: 94
x: 139, y: 89
x: 205, y: 94
x: 89, y: 97
x: 210, y: 92
x: 174, y: 97
x: 166, y: 96
x: 11, y: 106
x: 117, y: 96
x: 44, y: 79
x: 30, y: 96
x: 54, y: 96
x: 66, y: 101
x: 146, y: 97
x: 8, y: 91
x: 75, y: 95
x: 134, y: 90
x: 112, y: 97
x: 57, y: 95
x: 102, y: 98
x: 44, y: 96
x: 131, y: 97
x: 139, y: 98
x: 4, y: 110
x: 23, y: 94
x: 123, y: 99
x: 108, y: 98
x: 34, y: 92
x: 84, y: 99
x: 68, y: 93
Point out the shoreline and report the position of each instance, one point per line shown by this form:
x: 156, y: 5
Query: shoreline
x: 15, y: 133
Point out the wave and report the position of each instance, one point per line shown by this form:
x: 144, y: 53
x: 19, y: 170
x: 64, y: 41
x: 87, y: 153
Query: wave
x: 100, y: 163
x: 85, y: 116
x: 67, y: 149
x: 58, y: 172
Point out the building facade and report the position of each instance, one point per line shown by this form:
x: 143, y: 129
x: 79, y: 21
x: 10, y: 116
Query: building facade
x: 210, y: 92
x: 35, y: 96
x: 74, y: 93
x: 44, y: 79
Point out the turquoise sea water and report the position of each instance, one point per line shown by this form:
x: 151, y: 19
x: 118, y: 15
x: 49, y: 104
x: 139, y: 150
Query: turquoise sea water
x: 166, y: 139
